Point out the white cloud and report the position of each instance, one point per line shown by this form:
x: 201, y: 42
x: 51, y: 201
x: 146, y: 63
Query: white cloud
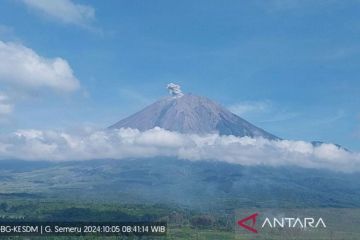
x: 128, y: 143
x: 23, y: 67
x: 65, y: 11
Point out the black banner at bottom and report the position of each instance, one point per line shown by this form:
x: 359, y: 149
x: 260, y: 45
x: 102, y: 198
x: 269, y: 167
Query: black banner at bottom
x: 83, y: 228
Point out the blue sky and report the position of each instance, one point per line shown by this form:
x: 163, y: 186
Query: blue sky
x: 290, y: 67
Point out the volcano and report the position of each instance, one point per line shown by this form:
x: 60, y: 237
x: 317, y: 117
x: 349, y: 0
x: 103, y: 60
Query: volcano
x: 188, y: 113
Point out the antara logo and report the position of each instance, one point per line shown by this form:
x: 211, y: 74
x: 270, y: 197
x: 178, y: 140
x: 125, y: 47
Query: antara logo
x: 284, y: 222
x: 247, y: 227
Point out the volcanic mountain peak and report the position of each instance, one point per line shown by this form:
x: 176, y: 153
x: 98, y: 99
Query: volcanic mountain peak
x: 187, y: 113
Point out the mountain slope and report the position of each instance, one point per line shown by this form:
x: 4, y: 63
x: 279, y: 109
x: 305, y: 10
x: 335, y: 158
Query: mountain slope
x: 195, y: 184
x: 187, y: 113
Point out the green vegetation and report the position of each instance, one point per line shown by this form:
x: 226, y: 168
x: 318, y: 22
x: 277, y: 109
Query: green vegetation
x: 196, y: 199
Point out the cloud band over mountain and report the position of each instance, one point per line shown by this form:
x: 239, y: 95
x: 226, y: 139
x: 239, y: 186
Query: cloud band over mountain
x: 122, y: 143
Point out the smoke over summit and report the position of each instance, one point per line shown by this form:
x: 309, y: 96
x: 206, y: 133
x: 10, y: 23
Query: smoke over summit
x: 174, y: 90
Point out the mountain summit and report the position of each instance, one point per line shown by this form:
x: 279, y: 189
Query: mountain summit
x: 187, y: 113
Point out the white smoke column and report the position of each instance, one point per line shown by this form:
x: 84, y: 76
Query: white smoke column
x: 174, y: 90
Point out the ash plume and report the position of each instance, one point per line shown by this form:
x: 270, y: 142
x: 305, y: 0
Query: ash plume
x: 174, y: 90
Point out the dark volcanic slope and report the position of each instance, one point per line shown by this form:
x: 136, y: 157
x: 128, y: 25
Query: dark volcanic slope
x: 191, y: 114
x: 200, y: 184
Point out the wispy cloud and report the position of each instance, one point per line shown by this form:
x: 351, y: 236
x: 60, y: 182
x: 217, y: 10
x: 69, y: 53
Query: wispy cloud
x: 5, y: 106
x: 250, y: 107
x: 287, y: 5
x: 262, y: 111
x: 135, y: 96
x: 356, y: 130
x: 276, y: 5
x: 130, y: 143
x: 65, y: 11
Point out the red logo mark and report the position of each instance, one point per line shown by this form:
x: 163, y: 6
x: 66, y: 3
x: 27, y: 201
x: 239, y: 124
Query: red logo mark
x: 247, y: 227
